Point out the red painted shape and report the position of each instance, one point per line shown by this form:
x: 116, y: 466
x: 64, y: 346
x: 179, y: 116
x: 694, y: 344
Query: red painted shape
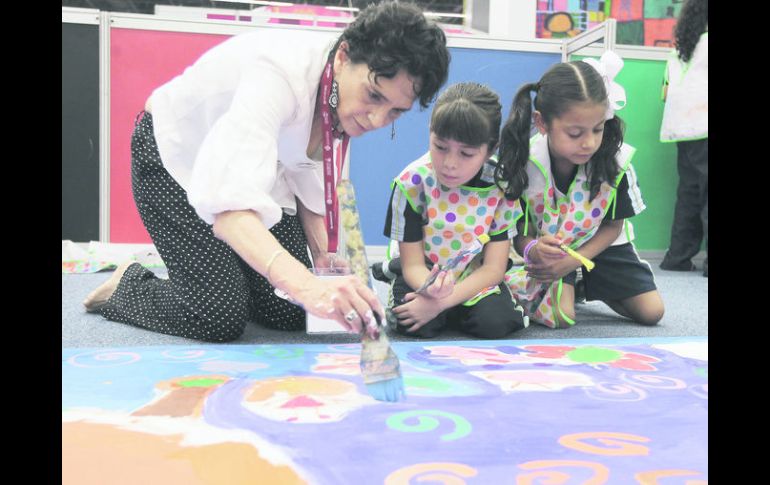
x: 302, y: 402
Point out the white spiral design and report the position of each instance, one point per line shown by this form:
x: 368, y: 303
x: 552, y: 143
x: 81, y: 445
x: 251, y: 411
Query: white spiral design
x: 104, y: 358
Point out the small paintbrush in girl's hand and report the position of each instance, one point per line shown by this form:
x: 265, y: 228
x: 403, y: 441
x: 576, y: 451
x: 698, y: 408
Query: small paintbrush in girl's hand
x: 379, y: 364
x: 583, y: 260
x: 469, y: 251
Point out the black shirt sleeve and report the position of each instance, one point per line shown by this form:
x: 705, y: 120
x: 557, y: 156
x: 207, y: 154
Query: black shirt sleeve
x: 412, y: 221
x: 624, y: 207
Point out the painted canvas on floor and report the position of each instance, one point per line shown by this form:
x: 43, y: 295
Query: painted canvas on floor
x: 521, y: 412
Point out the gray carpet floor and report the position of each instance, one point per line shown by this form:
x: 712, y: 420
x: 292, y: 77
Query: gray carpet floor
x: 685, y: 295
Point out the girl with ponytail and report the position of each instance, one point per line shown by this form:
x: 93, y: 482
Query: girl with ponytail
x: 577, y: 188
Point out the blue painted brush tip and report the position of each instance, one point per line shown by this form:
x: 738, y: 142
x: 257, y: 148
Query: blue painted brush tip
x: 391, y: 390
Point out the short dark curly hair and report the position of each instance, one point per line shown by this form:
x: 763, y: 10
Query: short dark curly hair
x: 391, y: 36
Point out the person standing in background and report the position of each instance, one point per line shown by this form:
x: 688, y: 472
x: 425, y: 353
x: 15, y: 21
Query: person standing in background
x: 685, y: 121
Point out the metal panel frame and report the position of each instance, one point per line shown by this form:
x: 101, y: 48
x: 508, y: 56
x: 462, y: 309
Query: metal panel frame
x: 89, y: 16
x: 104, y: 130
x: 607, y: 31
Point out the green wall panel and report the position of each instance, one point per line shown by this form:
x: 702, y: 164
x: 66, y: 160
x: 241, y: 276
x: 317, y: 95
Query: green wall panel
x: 655, y: 162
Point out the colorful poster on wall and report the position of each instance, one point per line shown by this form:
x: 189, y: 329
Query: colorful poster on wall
x: 558, y: 19
x: 640, y: 22
x: 646, y: 22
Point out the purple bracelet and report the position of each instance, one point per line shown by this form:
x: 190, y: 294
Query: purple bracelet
x: 526, y: 251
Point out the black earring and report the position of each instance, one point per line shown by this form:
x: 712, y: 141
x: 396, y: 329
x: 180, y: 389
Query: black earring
x: 334, y: 97
x: 393, y: 130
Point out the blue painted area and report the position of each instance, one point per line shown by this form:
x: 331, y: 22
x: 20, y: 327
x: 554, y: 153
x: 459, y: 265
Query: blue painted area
x: 376, y: 159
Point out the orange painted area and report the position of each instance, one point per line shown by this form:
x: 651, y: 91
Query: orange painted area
x: 559, y: 22
x: 179, y: 400
x: 609, y: 443
x: 296, y: 386
x: 545, y: 471
x: 95, y: 454
x: 447, y: 473
x: 177, y: 403
x: 652, y: 477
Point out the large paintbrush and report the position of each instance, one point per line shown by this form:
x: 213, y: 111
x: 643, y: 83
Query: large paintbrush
x: 379, y: 364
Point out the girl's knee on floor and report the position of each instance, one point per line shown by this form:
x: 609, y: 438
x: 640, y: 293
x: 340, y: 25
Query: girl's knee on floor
x: 650, y: 316
x: 649, y: 309
x: 562, y: 319
x: 494, y: 325
x: 646, y: 309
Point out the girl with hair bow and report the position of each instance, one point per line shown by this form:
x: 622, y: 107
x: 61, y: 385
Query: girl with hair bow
x: 577, y: 189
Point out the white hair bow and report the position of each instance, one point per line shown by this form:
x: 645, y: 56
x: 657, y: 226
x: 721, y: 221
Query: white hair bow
x: 608, y: 66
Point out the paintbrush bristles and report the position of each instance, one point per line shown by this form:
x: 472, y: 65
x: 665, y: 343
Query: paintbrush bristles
x: 378, y: 361
x: 379, y: 364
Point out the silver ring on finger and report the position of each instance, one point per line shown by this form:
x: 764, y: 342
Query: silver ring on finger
x: 351, y: 315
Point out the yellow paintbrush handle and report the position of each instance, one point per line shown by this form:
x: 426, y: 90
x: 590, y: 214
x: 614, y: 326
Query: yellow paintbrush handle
x: 585, y: 261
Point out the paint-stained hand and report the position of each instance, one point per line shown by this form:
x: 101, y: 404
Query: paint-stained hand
x: 344, y: 299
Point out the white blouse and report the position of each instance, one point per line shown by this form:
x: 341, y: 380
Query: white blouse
x: 686, y: 112
x: 233, y: 129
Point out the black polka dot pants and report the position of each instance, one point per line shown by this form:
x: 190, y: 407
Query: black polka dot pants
x: 211, y: 293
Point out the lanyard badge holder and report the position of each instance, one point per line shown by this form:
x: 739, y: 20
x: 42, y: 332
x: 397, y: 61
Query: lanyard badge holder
x: 331, y: 150
x: 318, y: 325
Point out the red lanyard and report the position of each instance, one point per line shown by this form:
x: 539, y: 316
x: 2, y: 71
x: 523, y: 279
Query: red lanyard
x: 330, y: 188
